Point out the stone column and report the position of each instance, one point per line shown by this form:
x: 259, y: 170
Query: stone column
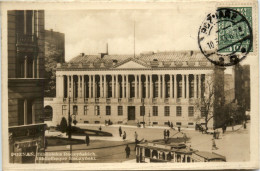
x: 62, y: 86
x: 183, y: 88
x: 151, y: 86
x: 135, y: 86
x: 146, y: 86
x: 140, y: 86
x: 101, y: 85
x: 68, y: 86
x: 83, y: 87
x: 25, y: 67
x: 94, y: 86
x: 113, y: 86
x: 79, y: 87
x: 89, y: 86
x: 72, y: 87
x: 199, y: 89
x: 105, y: 86
x: 170, y: 86
x: 175, y: 86
x: 159, y: 86
x: 117, y: 84
x: 123, y: 86
x: 163, y: 86
x: 127, y: 87
x: 195, y: 86
x: 187, y: 87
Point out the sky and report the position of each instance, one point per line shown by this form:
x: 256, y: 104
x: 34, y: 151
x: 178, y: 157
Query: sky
x: 88, y: 31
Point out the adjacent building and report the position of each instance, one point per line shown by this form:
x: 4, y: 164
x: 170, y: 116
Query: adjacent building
x: 153, y: 88
x: 25, y: 84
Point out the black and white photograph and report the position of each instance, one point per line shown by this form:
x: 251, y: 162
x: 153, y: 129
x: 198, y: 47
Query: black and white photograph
x: 125, y: 84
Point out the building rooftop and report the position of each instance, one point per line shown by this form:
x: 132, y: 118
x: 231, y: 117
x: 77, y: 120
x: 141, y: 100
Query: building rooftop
x: 209, y: 155
x: 144, y: 60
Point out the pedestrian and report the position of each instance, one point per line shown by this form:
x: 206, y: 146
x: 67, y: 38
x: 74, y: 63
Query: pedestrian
x: 168, y: 133
x: 214, y: 147
x: 171, y: 125
x: 245, y: 125
x: 136, y: 136
x: 185, y: 138
x: 127, y: 151
x: 120, y: 131
x: 100, y: 128
x: 223, y: 129
x: 87, y: 140
x: 179, y: 128
x: 214, y: 134
x: 124, y: 136
x: 164, y: 134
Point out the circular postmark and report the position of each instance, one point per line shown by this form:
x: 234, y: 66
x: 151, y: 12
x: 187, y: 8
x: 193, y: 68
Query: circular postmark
x: 225, y: 37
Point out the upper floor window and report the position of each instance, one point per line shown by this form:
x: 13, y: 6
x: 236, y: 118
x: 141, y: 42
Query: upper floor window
x: 85, y: 110
x: 166, y: 110
x: 108, y: 110
x: 155, y: 110
x: 120, y: 110
x: 191, y: 111
x: 97, y: 110
x: 142, y: 110
x: 178, y: 111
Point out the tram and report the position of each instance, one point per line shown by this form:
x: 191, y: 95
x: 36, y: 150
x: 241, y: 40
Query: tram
x: 161, y: 151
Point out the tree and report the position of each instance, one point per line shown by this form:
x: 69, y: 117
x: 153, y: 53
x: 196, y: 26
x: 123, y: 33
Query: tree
x: 211, y: 104
x: 63, y: 125
x: 206, y: 102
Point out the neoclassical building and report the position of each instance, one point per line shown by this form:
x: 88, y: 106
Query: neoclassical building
x: 153, y: 88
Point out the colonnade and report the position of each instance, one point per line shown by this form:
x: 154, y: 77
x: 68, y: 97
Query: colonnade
x: 130, y: 86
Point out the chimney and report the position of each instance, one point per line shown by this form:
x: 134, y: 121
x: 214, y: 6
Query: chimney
x: 82, y: 54
x: 191, y: 53
x: 107, y: 49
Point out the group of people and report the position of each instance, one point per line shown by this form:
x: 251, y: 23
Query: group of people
x: 166, y: 134
x: 170, y: 124
x: 120, y: 133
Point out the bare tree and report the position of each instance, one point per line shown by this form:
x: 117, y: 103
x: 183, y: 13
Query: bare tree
x: 205, y: 104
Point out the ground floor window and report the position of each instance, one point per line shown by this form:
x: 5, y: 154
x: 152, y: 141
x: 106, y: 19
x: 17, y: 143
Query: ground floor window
x: 178, y: 123
x: 155, y: 123
x: 178, y: 110
x: 64, y: 109
x: 155, y: 110
x: 97, y: 110
x: 191, y: 111
x: 166, y: 110
x: 190, y: 123
x: 120, y: 110
x: 108, y: 110
x: 75, y: 110
x: 85, y: 110
x: 142, y: 110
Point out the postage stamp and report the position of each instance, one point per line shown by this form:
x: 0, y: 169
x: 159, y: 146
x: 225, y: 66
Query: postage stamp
x: 225, y: 37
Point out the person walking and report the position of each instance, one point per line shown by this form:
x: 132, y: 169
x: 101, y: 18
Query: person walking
x: 127, y: 151
x: 168, y: 133
x: 171, y: 125
x: 87, y: 140
x: 124, y: 135
x: 164, y: 134
x: 214, y: 147
x: 179, y: 128
x: 120, y: 131
x: 136, y: 136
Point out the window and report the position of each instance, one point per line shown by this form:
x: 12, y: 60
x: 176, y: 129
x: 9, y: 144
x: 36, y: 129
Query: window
x: 97, y: 122
x: 190, y: 123
x: 191, y: 111
x: 178, y: 110
x: 120, y: 110
x: 24, y: 112
x: 192, y: 88
x: 142, y: 110
x: 156, y: 89
x: 179, y: 89
x: 64, y: 109
x: 86, y: 122
x: 85, y: 110
x: 178, y: 123
x: 166, y: 110
x: 97, y: 110
x: 108, y: 110
x: 75, y: 110
x: 155, y: 123
x: 203, y: 111
x: 155, y: 110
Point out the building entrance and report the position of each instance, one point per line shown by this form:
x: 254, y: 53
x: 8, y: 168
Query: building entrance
x: 131, y: 112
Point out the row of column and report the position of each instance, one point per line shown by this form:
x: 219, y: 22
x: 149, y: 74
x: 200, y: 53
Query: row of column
x: 125, y: 92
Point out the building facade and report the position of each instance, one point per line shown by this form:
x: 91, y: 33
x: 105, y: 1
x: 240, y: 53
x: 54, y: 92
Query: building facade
x: 153, y: 88
x: 25, y: 84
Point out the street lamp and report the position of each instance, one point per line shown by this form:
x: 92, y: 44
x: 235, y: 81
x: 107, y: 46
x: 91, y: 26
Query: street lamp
x: 69, y: 130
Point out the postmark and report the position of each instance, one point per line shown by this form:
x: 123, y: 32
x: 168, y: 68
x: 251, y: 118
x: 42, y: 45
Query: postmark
x: 225, y: 36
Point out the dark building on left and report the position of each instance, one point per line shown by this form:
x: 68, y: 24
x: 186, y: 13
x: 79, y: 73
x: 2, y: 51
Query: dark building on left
x: 25, y: 84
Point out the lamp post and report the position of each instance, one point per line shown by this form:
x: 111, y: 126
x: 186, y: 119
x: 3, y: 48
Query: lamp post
x: 69, y: 129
